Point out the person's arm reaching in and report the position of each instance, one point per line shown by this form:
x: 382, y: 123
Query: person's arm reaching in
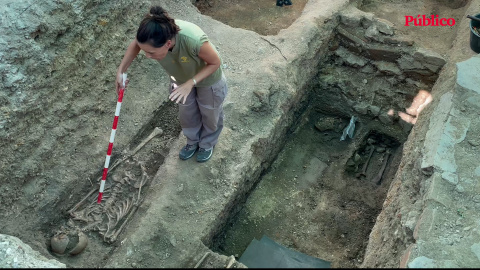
x: 130, y: 54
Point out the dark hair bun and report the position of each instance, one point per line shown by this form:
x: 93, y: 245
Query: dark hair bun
x: 157, y: 10
x: 157, y: 27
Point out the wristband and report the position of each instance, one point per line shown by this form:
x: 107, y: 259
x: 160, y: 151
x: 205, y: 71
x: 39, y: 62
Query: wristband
x: 194, y: 82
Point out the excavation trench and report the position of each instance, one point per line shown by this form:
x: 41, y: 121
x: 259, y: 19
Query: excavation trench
x: 313, y: 191
x: 280, y: 168
x: 128, y: 180
x: 321, y: 194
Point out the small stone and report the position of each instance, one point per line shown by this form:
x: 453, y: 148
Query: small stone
x: 361, y: 108
x: 225, y: 195
x: 367, y: 69
x: 350, y: 162
x: 372, y: 32
x: 374, y: 110
x: 173, y: 241
x: 134, y: 264
x: 350, y: 58
x: 365, y: 81
x: 384, y: 26
x: 385, y: 118
x: 388, y: 68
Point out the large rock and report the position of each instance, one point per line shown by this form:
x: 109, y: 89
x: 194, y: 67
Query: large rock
x: 429, y: 57
x: 354, y: 17
x: 16, y: 254
x: 350, y: 58
x: 388, y: 68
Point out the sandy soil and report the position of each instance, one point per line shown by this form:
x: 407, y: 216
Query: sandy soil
x: 263, y: 17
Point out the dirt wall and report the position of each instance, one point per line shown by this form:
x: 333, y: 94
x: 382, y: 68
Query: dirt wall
x: 57, y: 98
x: 396, y: 228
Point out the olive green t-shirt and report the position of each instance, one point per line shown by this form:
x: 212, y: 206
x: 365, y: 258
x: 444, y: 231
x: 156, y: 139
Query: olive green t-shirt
x: 183, y: 62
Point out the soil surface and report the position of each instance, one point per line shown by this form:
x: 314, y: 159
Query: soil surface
x: 263, y: 17
x: 327, y: 212
x: 436, y: 38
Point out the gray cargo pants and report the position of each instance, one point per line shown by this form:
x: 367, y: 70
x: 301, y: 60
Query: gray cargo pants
x: 201, y: 117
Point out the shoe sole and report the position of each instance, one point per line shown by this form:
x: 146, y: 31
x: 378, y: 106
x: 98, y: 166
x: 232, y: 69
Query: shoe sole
x: 203, y: 160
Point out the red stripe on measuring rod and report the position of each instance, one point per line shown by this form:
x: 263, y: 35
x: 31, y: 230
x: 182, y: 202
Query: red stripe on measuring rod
x: 110, y: 147
x: 115, y: 122
x: 104, y: 176
x: 120, y: 95
x: 100, y: 195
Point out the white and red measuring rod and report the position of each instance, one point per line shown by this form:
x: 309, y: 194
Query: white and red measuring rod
x: 112, y: 138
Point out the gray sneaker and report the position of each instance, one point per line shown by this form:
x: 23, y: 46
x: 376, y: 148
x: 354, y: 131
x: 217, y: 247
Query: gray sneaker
x: 204, y: 155
x: 188, y: 151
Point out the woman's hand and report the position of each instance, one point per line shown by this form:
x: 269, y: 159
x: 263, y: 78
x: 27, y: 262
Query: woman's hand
x: 181, y: 91
x: 119, y: 82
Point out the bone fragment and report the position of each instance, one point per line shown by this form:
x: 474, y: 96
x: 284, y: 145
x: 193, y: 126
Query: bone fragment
x: 113, y: 238
x: 142, y: 183
x: 365, y: 166
x: 202, y: 259
x: 378, y: 178
x: 156, y: 131
x: 230, y: 262
x: 80, y: 203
